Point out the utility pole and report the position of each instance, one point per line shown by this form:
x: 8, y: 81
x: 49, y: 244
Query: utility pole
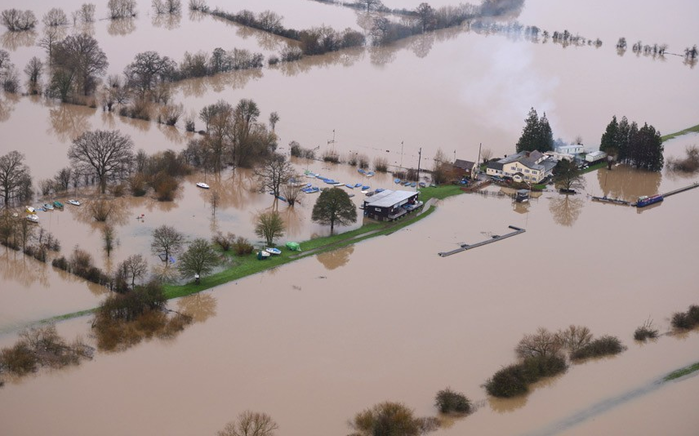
x: 419, y: 159
x: 401, y: 155
x: 333, y: 140
x: 478, y: 162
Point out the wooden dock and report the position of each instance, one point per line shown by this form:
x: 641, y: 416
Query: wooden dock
x: 495, y: 238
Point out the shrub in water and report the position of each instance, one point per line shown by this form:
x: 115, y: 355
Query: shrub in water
x: 508, y: 382
x: 604, y: 346
x: 693, y: 313
x: 448, y: 401
x: 682, y: 321
x: 646, y: 331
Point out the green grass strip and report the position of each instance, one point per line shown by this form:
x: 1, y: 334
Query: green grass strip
x: 682, y: 372
x: 694, y: 129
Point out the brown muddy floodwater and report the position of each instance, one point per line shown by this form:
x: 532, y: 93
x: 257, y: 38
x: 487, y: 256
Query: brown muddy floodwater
x: 316, y: 341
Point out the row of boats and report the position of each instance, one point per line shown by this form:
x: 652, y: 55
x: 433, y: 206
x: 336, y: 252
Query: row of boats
x: 31, y: 211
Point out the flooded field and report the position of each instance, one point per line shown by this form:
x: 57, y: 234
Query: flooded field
x: 314, y: 342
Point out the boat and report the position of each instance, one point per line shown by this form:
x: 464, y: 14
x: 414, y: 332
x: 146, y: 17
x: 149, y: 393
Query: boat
x: 368, y: 193
x: 647, y: 201
x: 311, y: 190
x: 202, y: 185
x: 32, y: 218
x: 379, y: 190
x: 349, y: 185
x: 396, y: 181
x: 293, y: 246
x: 261, y: 255
x: 406, y: 183
x: 422, y: 184
x: 280, y: 197
x: 366, y: 188
x: 370, y: 174
x: 74, y: 202
x: 47, y: 206
x: 413, y: 184
x: 357, y: 185
x: 361, y: 171
x: 330, y: 181
x: 272, y: 250
x: 57, y: 204
x: 30, y: 210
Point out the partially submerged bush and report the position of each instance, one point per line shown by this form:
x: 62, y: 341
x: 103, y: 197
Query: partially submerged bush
x: 514, y: 380
x: 541, y: 343
x: 331, y: 156
x: 381, y: 164
x: 242, y: 246
x: 363, y: 161
x: 603, y: 346
x: 448, y: 401
x: 42, y: 346
x: 646, y: 331
x: 224, y: 241
x: 682, y: 321
x: 390, y: 418
x: 574, y: 337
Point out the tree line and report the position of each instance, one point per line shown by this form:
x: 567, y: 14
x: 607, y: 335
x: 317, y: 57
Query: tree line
x: 640, y: 147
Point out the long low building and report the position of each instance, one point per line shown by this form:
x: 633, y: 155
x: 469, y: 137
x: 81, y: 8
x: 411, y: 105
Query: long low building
x: 390, y: 205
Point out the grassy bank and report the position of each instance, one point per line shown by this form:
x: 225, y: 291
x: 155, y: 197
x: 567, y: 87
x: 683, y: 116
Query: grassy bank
x: 694, y: 129
x: 682, y: 372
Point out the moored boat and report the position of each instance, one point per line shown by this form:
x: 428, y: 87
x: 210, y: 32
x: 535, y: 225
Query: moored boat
x: 272, y: 250
x: 30, y: 209
x: 47, y: 206
x: 261, y: 255
x: 57, y: 204
x: 396, y: 181
x: 647, y: 201
x: 422, y: 184
x: 202, y: 185
x: 349, y: 185
x: 357, y: 185
x: 74, y: 202
x: 32, y: 218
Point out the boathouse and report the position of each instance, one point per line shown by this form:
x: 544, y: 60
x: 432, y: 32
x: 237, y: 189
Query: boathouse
x: 390, y: 205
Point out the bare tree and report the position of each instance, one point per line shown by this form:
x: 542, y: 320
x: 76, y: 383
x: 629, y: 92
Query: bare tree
x: 17, y: 21
x: 250, y: 424
x: 542, y: 343
x: 108, y: 238
x: 81, y: 57
x: 370, y: 5
x: 425, y: 14
x: 166, y: 242
x: 121, y: 9
x: 274, y: 172
x: 172, y: 7
x: 87, y: 13
x: 12, y: 173
x: 106, y: 153
x: 52, y: 36
x: 574, y: 337
x: 486, y: 155
x: 148, y: 70
x: 273, y: 120
x: 291, y: 192
x: 134, y: 267
x: 63, y: 178
x: 55, y: 17
x: 34, y: 70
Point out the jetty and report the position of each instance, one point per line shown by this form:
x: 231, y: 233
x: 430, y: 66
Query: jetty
x: 621, y: 202
x: 494, y: 238
x: 677, y: 191
x: 611, y: 201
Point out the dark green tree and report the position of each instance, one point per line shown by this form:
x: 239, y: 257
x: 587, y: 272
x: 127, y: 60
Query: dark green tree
x: 567, y: 176
x: 609, y: 142
x: 536, y: 135
x: 529, y: 134
x: 622, y: 141
x: 334, y: 206
x: 646, y: 148
x: 199, y: 259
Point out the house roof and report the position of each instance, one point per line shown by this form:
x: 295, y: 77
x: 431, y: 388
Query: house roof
x: 464, y: 164
x: 495, y: 165
x: 389, y: 198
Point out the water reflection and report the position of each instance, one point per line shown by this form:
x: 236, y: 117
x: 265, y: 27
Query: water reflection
x: 336, y: 258
x: 121, y: 26
x: 7, y: 105
x: 118, y: 211
x: 16, y: 267
x: 422, y: 44
x: 566, y: 209
x: 14, y: 40
x: 293, y: 220
x: 167, y: 21
x: 626, y: 183
x: 507, y: 405
x: 218, y: 83
x: 200, y: 307
x: 69, y: 121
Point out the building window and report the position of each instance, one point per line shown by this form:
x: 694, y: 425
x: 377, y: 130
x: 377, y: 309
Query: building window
x: 526, y: 171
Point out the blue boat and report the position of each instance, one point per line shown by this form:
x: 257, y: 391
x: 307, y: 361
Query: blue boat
x: 350, y: 186
x: 311, y: 190
x: 412, y: 185
x: 379, y: 190
x: 406, y: 183
x: 330, y: 181
x: 647, y: 201
x: 422, y: 184
x: 361, y: 171
x: 366, y: 188
x: 357, y: 185
x: 396, y: 181
x: 281, y: 198
x: 370, y: 174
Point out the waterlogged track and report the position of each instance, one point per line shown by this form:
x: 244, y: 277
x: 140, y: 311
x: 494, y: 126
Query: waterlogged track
x: 605, y: 406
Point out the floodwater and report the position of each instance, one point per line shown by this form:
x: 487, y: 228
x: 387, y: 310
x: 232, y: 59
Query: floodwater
x: 316, y: 341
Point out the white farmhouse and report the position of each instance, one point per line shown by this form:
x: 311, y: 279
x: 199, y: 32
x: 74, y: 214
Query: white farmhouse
x: 525, y: 166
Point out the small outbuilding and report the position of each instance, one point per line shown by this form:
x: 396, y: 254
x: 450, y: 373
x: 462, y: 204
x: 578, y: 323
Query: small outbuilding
x: 390, y: 205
